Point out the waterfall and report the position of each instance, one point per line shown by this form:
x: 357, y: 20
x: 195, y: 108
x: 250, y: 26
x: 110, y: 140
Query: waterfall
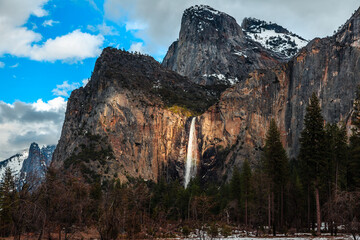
x: 192, y: 154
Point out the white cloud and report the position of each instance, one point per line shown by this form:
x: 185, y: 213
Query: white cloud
x: 49, y: 23
x: 22, y: 123
x: 56, y: 104
x: 74, y: 46
x: 2, y: 64
x: 15, y: 65
x: 20, y: 41
x: 64, y: 88
x: 137, y: 47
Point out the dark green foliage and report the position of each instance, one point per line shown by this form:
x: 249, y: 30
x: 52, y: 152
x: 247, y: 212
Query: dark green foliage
x: 334, y: 177
x: 312, y: 149
x: 276, y: 169
x: 7, y: 202
x: 353, y: 167
x: 275, y: 158
x: 313, y: 154
x: 246, y: 179
x: 235, y: 185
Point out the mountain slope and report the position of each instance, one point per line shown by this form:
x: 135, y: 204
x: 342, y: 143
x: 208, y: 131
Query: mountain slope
x: 32, y: 161
x: 273, y: 37
x: 130, y: 119
x: 133, y: 117
x: 213, y: 50
x: 329, y: 67
x: 15, y: 163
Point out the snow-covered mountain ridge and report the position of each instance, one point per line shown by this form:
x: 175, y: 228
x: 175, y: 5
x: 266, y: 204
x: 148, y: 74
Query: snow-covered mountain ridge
x: 273, y: 37
x: 33, y: 160
x: 15, y: 163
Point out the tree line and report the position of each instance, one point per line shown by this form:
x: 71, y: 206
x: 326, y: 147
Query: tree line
x: 317, y: 192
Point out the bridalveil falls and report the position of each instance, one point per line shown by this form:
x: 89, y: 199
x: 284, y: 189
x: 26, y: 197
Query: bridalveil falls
x: 192, y: 154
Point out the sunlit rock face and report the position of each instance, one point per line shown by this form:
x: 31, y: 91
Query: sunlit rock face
x: 133, y: 118
x: 329, y: 67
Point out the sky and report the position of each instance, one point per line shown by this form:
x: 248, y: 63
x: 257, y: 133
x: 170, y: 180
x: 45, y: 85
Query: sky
x: 49, y: 47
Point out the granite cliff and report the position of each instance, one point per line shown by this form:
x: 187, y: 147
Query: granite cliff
x: 130, y: 120
x: 133, y: 117
x: 213, y: 49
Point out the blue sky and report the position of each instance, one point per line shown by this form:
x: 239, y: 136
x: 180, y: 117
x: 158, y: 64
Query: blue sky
x: 27, y: 79
x: 49, y: 47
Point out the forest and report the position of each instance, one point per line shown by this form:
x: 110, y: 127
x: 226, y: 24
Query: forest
x: 276, y: 195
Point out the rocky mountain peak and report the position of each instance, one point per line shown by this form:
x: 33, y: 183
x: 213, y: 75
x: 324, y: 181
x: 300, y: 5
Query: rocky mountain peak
x: 202, y: 12
x: 203, y: 23
x: 208, y: 41
x: 32, y: 160
x: 37, y: 162
x: 273, y: 37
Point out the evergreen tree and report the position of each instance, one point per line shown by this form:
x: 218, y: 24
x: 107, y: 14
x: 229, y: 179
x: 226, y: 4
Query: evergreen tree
x: 246, y: 187
x: 353, y: 167
x: 7, y: 199
x: 336, y: 149
x: 312, y: 152
x: 277, y: 168
x: 235, y: 190
x: 235, y: 185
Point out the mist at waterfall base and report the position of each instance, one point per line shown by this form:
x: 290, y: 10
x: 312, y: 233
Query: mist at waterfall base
x: 192, y: 154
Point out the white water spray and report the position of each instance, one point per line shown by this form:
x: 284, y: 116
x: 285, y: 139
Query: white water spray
x: 192, y: 154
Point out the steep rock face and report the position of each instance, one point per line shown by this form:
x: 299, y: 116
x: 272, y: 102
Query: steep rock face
x: 213, y: 50
x: 130, y: 120
x: 37, y: 161
x: 32, y: 161
x: 235, y: 128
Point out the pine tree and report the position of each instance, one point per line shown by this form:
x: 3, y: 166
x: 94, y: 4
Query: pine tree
x: 353, y: 167
x: 277, y: 169
x: 235, y: 190
x: 246, y: 187
x: 235, y: 185
x: 337, y: 151
x: 7, y: 197
x: 312, y: 152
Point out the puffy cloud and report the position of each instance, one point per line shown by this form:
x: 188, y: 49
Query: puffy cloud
x: 49, y: 23
x: 2, y: 64
x: 74, y: 46
x: 137, y: 47
x: 22, y: 123
x: 19, y: 41
x: 307, y: 18
x: 64, y: 88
